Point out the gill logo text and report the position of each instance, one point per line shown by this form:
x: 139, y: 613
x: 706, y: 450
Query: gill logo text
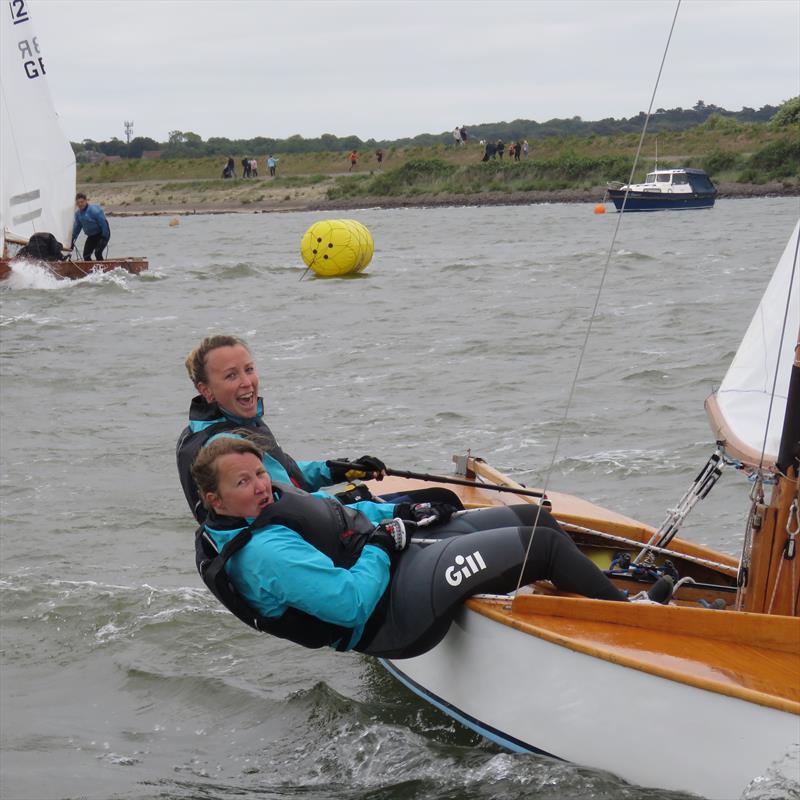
x: 465, y: 567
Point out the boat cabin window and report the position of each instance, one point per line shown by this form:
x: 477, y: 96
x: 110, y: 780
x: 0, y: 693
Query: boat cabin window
x: 680, y: 177
x: 651, y: 178
x: 662, y: 178
x: 701, y: 183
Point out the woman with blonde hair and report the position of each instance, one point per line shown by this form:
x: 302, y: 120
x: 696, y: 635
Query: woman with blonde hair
x: 223, y: 371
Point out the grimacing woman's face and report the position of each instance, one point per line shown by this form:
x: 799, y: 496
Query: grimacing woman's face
x: 244, y: 487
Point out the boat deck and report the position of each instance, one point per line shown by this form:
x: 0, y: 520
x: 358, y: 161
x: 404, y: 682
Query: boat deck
x: 566, y: 508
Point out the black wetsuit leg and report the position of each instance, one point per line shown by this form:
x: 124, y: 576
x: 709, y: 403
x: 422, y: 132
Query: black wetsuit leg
x: 485, y: 519
x: 94, y: 244
x: 431, y: 581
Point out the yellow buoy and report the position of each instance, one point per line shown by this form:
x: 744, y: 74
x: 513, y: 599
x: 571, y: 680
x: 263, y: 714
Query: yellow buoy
x: 366, y: 242
x: 599, y: 209
x: 173, y: 222
x: 333, y: 247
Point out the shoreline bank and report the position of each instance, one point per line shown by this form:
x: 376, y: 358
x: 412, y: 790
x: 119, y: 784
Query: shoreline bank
x: 115, y: 206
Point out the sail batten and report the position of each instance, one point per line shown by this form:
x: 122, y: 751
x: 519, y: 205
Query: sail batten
x: 37, y: 169
x: 748, y: 410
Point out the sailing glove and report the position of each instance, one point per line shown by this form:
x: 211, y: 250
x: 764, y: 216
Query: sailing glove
x: 364, y: 468
x: 423, y: 514
x: 390, y: 536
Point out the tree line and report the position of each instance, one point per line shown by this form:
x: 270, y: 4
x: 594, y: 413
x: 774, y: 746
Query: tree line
x: 186, y: 144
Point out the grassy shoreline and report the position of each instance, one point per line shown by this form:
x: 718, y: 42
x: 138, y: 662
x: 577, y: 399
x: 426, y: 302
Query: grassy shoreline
x: 108, y: 196
x: 743, y: 161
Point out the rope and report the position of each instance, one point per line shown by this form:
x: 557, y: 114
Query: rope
x: 706, y: 562
x: 756, y: 500
x: 593, y: 315
x: 788, y: 554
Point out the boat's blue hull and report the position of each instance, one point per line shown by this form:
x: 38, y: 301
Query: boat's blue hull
x: 660, y: 201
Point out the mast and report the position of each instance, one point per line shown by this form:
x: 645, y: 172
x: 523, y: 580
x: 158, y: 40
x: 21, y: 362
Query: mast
x: 773, y: 579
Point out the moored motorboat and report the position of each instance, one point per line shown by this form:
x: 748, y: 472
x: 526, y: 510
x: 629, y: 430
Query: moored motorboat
x: 665, y: 189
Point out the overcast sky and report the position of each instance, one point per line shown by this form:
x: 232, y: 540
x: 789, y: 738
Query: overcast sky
x: 245, y: 68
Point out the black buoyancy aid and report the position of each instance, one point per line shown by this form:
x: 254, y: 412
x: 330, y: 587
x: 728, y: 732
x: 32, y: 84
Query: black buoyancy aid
x: 191, y: 442
x: 336, y: 530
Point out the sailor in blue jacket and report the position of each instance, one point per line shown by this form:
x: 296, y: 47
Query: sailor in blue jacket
x: 224, y: 373
x: 91, y: 219
x: 306, y: 568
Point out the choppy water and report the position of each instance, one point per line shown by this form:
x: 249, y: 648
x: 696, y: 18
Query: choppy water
x: 122, y: 678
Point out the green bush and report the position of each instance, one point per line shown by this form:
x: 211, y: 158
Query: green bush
x: 720, y: 161
x: 776, y: 160
x: 789, y: 114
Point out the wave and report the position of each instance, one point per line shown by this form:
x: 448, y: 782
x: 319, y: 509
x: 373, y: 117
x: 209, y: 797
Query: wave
x: 29, y: 276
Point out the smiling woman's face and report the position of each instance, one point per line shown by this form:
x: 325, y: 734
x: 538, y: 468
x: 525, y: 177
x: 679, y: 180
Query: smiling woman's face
x: 232, y: 381
x: 244, y: 487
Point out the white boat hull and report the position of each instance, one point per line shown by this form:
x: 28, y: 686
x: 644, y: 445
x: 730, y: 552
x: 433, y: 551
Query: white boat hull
x: 529, y: 694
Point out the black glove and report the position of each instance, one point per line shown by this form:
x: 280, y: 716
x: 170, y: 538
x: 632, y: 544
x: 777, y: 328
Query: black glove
x: 390, y: 536
x: 423, y: 514
x: 364, y: 468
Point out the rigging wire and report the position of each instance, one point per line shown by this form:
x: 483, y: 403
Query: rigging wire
x: 597, y: 297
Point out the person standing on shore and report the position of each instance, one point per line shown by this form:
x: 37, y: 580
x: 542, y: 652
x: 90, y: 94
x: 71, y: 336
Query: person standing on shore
x: 272, y: 163
x: 500, y: 149
x: 353, y: 160
x: 379, y: 158
x: 91, y: 219
x: 524, y: 148
x: 517, y: 151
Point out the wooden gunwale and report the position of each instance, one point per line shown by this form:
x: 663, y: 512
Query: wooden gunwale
x: 565, y: 508
x: 696, y: 647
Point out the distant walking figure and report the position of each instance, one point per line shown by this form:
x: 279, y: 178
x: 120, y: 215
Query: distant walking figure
x: 500, y: 148
x: 524, y: 148
x: 353, y: 160
x: 517, y: 151
x: 230, y: 169
x: 245, y: 167
x: 272, y: 162
x: 379, y: 158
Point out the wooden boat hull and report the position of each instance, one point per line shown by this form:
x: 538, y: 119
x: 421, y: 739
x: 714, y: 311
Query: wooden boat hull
x: 74, y: 270
x: 660, y: 201
x: 682, y: 697
x: 535, y: 694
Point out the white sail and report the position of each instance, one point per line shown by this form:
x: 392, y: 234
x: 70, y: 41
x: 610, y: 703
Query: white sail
x: 37, y: 171
x: 741, y: 407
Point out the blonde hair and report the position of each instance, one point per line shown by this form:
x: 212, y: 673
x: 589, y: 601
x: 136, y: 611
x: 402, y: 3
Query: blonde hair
x: 204, y: 467
x: 196, y: 360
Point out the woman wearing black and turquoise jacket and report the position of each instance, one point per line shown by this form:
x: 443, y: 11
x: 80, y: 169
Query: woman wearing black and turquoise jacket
x: 309, y: 569
x: 224, y: 373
